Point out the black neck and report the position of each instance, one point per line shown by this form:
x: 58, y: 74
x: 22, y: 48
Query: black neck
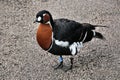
x: 51, y: 21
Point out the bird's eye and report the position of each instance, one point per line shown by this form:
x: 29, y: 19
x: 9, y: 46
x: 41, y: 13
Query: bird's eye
x: 39, y: 18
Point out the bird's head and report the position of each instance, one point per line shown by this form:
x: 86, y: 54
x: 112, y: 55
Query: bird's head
x: 43, y: 17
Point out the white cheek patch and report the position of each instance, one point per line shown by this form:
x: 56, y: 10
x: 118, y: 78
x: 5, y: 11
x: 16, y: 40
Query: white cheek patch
x: 44, y: 14
x: 39, y: 18
x: 62, y: 43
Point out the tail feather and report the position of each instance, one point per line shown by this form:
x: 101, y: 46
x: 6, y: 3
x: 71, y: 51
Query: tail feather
x: 99, y: 35
x: 100, y: 26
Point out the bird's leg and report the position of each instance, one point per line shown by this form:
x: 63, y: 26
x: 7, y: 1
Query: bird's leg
x: 71, y: 60
x: 71, y: 65
x: 61, y: 63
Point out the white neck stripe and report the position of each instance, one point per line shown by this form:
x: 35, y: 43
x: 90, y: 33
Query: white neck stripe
x: 52, y: 37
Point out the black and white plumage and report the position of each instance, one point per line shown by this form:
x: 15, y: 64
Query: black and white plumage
x: 67, y: 35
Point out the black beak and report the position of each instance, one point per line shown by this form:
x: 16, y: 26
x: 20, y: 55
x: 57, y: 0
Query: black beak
x: 35, y: 21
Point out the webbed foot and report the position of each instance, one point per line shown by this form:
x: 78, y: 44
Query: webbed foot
x: 59, y: 66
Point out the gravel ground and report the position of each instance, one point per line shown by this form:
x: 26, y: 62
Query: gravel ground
x: 22, y: 59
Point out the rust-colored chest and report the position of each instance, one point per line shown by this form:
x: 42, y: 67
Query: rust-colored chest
x: 44, y: 36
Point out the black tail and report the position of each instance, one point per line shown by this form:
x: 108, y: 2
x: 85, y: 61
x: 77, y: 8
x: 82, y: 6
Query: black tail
x: 100, y: 26
x: 99, y: 35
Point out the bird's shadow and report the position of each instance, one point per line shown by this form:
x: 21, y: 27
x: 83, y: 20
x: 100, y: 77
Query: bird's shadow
x: 88, y: 61
x: 92, y: 60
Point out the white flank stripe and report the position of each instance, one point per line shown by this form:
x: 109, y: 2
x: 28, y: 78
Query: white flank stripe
x: 94, y: 32
x: 75, y: 47
x: 62, y: 43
